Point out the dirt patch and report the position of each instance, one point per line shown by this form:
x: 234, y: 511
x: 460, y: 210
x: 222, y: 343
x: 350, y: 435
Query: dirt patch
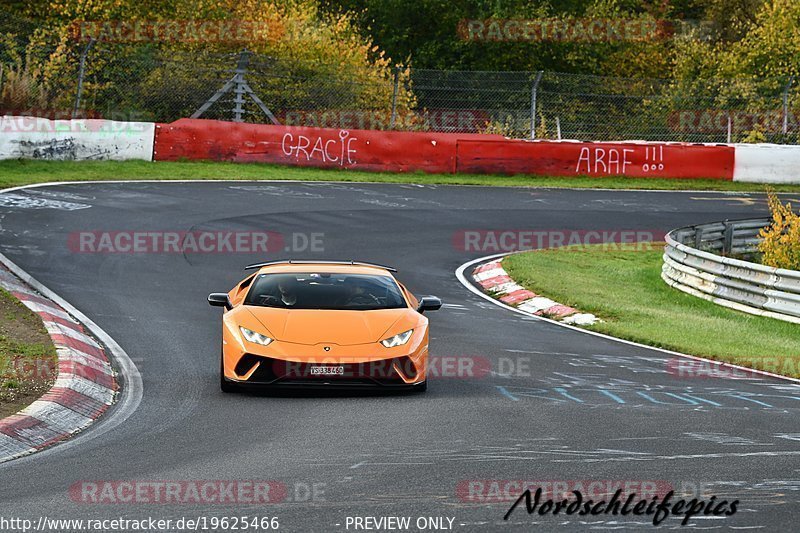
x: 28, y: 360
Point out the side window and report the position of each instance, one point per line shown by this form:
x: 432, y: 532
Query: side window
x: 238, y: 294
x: 246, y: 283
x: 412, y: 300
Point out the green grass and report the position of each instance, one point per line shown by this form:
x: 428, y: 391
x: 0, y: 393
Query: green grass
x: 18, y: 172
x: 624, y: 288
x: 27, y: 356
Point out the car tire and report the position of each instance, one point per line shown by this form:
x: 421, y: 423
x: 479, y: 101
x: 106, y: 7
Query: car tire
x: 422, y: 387
x: 225, y: 385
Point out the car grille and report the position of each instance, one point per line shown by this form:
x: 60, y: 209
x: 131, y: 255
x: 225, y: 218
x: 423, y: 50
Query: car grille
x: 279, y: 371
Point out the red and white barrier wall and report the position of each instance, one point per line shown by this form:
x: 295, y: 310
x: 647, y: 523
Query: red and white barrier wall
x: 392, y: 151
x: 370, y: 150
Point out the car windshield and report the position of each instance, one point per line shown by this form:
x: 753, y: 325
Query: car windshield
x: 324, y: 290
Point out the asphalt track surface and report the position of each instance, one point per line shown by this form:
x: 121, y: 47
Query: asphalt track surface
x: 391, y: 455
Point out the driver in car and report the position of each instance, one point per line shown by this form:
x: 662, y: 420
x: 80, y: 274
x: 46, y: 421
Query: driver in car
x: 285, y: 295
x: 356, y: 294
x: 288, y: 296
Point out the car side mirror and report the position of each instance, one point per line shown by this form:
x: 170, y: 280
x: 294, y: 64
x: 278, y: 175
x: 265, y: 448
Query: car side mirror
x: 429, y: 303
x: 220, y: 299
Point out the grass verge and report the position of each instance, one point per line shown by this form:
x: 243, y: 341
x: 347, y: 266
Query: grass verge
x: 22, y: 172
x: 623, y: 286
x: 28, y: 362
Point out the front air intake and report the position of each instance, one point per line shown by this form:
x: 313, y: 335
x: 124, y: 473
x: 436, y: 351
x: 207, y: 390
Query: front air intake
x: 246, y: 364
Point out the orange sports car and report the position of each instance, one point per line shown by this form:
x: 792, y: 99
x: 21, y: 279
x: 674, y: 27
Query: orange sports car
x: 323, y: 323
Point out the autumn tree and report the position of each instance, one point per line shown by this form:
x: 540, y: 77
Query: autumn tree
x: 295, y: 47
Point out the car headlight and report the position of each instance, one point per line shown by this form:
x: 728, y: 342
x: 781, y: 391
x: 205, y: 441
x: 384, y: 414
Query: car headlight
x: 397, y: 340
x: 255, y: 337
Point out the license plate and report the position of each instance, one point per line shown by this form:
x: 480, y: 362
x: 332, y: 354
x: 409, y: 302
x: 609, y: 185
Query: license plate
x: 327, y: 370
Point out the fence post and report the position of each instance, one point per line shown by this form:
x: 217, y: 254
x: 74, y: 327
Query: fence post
x: 394, y: 96
x: 534, y: 88
x: 239, y: 89
x: 238, y: 84
x: 729, y: 127
x: 81, y: 73
x: 786, y: 104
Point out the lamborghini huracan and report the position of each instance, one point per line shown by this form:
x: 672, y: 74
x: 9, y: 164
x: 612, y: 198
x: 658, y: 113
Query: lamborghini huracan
x: 323, y: 324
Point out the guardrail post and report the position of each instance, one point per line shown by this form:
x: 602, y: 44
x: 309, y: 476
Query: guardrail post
x: 698, y: 237
x: 727, y: 240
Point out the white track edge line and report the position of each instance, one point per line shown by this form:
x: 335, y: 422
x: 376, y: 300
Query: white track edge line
x: 352, y: 182
x: 465, y: 282
x: 131, y: 391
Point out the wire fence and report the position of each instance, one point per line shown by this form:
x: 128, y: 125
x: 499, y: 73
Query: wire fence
x: 139, y: 83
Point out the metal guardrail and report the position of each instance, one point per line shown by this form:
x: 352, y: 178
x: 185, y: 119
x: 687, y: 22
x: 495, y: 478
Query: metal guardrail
x: 693, y: 263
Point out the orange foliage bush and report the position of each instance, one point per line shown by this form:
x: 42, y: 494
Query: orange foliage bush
x: 780, y: 246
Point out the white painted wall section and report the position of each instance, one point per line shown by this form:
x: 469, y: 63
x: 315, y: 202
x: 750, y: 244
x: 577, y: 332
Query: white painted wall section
x: 767, y: 163
x: 75, y: 140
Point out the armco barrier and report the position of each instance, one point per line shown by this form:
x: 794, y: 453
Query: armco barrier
x: 373, y: 150
x: 370, y: 150
x: 75, y: 140
x: 693, y: 265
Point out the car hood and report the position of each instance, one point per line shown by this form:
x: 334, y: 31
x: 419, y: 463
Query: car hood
x: 313, y: 326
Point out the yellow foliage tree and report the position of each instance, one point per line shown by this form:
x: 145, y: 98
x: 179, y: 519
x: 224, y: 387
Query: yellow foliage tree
x: 780, y: 246
x: 303, y: 58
